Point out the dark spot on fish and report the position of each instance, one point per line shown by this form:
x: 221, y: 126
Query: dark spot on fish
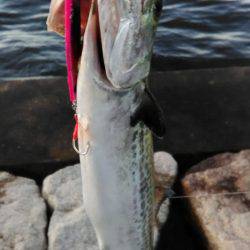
x: 133, y: 147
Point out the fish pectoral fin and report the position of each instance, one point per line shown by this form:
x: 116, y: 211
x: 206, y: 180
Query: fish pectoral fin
x: 150, y: 113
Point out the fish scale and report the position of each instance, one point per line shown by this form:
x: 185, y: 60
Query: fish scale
x: 143, y: 209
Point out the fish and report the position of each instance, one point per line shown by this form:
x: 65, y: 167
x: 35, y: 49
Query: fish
x: 116, y: 115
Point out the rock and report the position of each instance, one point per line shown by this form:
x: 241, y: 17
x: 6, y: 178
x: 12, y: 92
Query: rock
x: 22, y: 214
x: 70, y: 227
x: 165, y: 168
x: 224, y: 218
x: 71, y: 230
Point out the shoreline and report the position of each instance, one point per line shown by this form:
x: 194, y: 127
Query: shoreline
x: 161, y: 63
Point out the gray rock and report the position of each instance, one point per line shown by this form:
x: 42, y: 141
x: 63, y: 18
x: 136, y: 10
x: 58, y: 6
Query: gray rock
x: 22, y: 214
x: 224, y: 219
x: 70, y: 227
x: 165, y: 168
x: 71, y: 230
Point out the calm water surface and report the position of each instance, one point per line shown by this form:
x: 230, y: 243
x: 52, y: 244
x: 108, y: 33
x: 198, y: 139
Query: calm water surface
x: 188, y: 29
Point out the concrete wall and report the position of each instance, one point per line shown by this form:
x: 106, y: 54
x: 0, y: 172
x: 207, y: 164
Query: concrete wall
x: 206, y: 110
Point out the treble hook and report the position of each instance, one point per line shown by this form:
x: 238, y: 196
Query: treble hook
x: 77, y: 150
x: 75, y: 138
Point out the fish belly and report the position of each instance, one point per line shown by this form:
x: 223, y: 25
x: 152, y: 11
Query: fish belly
x: 117, y: 171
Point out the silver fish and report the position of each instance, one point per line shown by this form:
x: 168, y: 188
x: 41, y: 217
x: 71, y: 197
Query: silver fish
x: 116, y: 113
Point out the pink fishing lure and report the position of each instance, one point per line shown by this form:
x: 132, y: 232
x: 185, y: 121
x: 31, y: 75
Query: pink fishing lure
x: 76, y: 15
x: 71, y: 57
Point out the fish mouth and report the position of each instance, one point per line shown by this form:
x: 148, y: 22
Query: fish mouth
x: 115, y: 38
x: 123, y: 38
x: 92, y: 58
x: 83, y: 42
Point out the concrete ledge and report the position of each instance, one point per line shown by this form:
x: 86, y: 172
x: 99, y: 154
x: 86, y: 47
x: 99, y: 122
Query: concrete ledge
x: 163, y: 63
x: 36, y: 121
x: 206, y: 111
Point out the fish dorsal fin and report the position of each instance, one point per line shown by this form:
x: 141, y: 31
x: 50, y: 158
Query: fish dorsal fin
x: 150, y: 113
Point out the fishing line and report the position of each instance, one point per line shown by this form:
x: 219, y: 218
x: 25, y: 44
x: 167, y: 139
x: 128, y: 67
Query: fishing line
x: 206, y: 195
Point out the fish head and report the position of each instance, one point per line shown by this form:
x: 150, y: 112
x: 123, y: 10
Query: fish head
x: 124, y: 40
x: 127, y: 29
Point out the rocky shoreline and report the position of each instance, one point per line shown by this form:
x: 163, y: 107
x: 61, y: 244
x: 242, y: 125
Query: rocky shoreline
x: 28, y: 217
x: 207, y: 112
x: 54, y: 218
x: 221, y: 204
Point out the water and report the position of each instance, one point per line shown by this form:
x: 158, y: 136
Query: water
x: 188, y: 30
x: 205, y: 29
